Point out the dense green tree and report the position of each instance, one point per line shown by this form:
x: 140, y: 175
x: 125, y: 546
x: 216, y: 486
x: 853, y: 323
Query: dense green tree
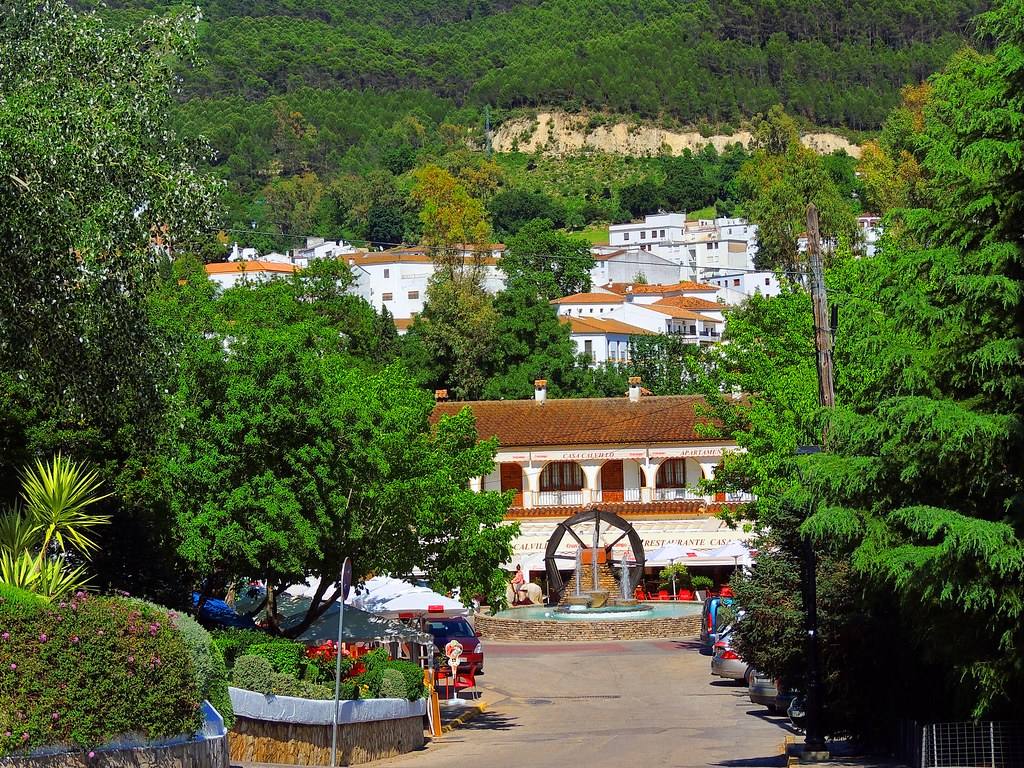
x: 554, y: 263
x: 510, y: 209
x: 687, y: 187
x: 285, y: 452
x: 641, y: 198
x: 778, y: 186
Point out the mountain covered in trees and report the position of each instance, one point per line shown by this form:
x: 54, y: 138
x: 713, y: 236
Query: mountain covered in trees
x: 831, y: 62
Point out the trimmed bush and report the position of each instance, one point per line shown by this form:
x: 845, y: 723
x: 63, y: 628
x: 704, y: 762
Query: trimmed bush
x: 235, y: 642
x: 413, y: 676
x: 286, y: 685
x: 254, y: 673
x: 84, y: 671
x: 285, y: 656
x: 392, y: 684
x: 375, y: 659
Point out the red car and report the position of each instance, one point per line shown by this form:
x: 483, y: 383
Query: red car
x: 445, y: 630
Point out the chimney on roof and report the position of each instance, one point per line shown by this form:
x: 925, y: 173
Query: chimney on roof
x: 540, y: 390
x: 634, y: 389
x: 440, y: 395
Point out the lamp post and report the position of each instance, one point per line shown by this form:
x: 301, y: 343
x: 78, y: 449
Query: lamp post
x: 814, y: 737
x: 345, y: 581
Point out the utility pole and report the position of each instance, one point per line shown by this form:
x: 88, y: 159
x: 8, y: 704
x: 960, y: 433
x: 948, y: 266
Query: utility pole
x: 814, y: 740
x: 822, y: 331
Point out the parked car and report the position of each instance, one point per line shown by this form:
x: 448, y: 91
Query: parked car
x: 726, y: 662
x: 765, y: 691
x: 711, y: 622
x: 445, y: 630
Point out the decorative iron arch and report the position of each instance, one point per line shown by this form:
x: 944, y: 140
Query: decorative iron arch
x: 555, y: 583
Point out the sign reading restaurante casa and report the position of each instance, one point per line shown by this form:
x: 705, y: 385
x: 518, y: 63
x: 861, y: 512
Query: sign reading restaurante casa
x: 639, y: 456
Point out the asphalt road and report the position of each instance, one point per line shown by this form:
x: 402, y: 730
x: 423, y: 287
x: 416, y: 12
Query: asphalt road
x: 589, y: 705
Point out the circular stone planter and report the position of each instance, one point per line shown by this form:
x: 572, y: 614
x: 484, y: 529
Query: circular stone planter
x: 554, y: 630
x: 294, y: 731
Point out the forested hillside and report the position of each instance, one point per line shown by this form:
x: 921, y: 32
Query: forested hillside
x: 830, y: 61
x: 318, y: 110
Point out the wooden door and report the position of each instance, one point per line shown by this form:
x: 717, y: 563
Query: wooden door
x: 611, y: 481
x: 512, y: 480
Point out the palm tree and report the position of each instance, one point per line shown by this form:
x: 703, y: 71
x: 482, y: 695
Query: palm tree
x: 50, y: 521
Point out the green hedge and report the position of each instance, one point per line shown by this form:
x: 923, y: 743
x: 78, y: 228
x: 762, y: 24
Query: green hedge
x: 83, y: 671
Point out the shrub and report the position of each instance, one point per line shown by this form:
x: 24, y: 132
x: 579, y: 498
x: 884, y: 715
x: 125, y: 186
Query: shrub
x: 375, y: 659
x: 89, y: 669
x: 701, y: 582
x: 235, y: 642
x: 253, y: 673
x: 369, y: 683
x: 207, y: 661
x: 286, y: 685
x: 285, y: 656
x: 413, y: 676
x: 392, y: 684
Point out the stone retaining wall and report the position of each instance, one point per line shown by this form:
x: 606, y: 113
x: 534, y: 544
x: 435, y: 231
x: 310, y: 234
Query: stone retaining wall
x: 554, y: 630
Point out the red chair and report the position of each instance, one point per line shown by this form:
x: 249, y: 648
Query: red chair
x: 663, y: 594
x: 465, y: 679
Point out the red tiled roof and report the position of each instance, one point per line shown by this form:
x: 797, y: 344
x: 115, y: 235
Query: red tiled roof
x: 590, y: 298
x: 585, y: 421
x: 227, y: 267
x: 681, y: 314
x: 687, y: 302
x: 638, y: 289
x: 628, y: 509
x: 601, y: 325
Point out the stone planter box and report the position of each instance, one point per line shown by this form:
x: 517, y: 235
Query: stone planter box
x: 208, y: 749
x: 293, y: 731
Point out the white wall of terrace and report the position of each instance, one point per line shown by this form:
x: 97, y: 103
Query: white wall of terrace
x: 584, y: 475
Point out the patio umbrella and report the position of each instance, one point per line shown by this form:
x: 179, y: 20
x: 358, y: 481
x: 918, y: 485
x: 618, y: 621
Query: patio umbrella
x: 670, y: 553
x: 394, y: 598
x: 734, y: 550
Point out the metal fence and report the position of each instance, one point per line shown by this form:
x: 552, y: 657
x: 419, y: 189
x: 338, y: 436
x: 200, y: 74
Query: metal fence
x: 972, y: 745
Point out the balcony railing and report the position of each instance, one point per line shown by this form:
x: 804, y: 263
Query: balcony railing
x: 631, y: 494
x: 678, y: 494
x: 560, y: 498
x: 740, y: 496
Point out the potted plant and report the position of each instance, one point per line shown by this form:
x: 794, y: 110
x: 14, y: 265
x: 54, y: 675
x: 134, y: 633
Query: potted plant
x: 701, y: 583
x: 677, y: 578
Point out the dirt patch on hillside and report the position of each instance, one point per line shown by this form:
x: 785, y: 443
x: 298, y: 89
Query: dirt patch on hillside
x: 559, y: 133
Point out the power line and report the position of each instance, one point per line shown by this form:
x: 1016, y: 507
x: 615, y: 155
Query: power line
x: 597, y: 257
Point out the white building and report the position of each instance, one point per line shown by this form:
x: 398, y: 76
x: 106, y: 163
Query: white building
x: 658, y: 228
x: 230, y: 273
x: 734, y: 287
x: 318, y: 248
x: 683, y: 309
x: 637, y: 456
x: 397, y: 279
x: 622, y: 265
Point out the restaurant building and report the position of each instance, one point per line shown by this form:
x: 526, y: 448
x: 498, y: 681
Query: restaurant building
x: 639, y: 456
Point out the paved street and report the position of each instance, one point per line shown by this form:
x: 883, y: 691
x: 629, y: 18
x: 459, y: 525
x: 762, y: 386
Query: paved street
x: 607, y: 704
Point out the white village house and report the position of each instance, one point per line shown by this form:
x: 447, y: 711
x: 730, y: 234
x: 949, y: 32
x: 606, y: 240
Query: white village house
x: 639, y: 456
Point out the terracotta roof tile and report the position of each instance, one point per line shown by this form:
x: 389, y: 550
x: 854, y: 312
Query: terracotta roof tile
x: 602, y: 325
x: 639, y: 289
x: 585, y: 421
x: 688, y: 302
x: 227, y: 267
x: 590, y: 298
x: 630, y: 509
x: 681, y: 314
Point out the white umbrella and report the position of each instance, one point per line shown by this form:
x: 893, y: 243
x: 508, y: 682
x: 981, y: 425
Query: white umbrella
x: 735, y: 551
x: 670, y: 553
x: 390, y: 597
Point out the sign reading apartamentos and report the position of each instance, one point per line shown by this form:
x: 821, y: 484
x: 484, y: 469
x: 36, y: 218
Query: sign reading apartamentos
x: 620, y: 453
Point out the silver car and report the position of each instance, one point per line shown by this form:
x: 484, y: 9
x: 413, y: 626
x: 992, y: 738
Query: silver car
x: 763, y: 690
x: 725, y: 662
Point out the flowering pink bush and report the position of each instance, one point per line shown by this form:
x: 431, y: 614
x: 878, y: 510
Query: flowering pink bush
x: 84, y: 672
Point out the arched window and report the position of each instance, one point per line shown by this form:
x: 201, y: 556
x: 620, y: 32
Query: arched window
x: 561, y: 476
x: 672, y: 474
